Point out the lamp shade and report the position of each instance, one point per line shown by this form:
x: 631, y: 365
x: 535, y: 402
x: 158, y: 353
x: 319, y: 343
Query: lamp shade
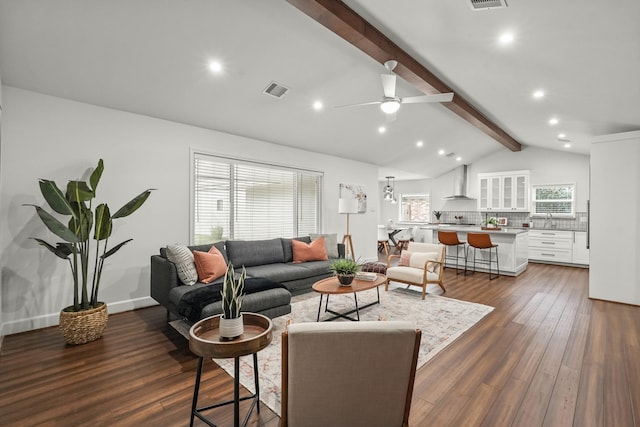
x: 347, y: 206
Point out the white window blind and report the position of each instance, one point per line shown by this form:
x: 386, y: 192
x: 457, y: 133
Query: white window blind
x: 414, y: 207
x: 558, y: 200
x: 253, y: 201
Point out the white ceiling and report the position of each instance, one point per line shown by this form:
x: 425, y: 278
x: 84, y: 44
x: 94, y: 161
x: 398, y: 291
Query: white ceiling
x: 150, y: 57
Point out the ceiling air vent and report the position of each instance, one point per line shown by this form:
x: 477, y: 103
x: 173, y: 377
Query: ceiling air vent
x: 487, y: 4
x: 276, y: 89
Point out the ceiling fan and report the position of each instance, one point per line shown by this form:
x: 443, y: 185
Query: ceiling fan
x: 390, y: 103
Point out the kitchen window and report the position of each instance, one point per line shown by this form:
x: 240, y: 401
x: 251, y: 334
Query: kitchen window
x: 238, y: 199
x: 414, y: 207
x: 557, y: 200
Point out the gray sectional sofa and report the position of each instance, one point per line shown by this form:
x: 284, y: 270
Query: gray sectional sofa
x: 270, y: 259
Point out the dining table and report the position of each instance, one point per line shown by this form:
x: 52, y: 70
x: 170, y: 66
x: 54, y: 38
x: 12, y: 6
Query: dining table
x: 393, y: 231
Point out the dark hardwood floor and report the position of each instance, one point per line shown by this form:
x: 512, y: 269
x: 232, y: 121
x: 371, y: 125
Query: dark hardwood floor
x: 546, y: 356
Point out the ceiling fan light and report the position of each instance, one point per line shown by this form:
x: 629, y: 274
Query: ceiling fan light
x: 390, y: 107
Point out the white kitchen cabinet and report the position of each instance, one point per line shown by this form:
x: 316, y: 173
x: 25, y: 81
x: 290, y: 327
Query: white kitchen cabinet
x: 504, y: 191
x: 580, y: 250
x: 555, y: 246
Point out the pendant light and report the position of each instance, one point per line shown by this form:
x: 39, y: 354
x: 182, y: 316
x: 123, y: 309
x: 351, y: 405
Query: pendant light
x: 387, y: 190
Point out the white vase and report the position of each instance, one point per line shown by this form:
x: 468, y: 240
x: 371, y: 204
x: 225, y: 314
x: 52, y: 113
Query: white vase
x: 231, y: 328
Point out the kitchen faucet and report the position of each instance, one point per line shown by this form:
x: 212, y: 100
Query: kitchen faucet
x: 548, y: 223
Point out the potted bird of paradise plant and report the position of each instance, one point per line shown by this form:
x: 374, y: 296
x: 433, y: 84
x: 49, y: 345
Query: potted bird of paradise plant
x: 85, y: 246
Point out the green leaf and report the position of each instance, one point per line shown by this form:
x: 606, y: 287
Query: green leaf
x: 61, y: 250
x: 82, y: 223
x: 103, y: 222
x: 115, y: 249
x: 94, y: 179
x: 79, y: 191
x: 55, y: 226
x: 55, y: 197
x: 133, y: 205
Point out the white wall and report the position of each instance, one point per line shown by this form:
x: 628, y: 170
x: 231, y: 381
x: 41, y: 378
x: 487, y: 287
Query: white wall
x: 58, y: 139
x: 546, y: 166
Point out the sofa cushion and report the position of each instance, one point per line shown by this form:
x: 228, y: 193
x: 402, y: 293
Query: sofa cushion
x: 287, y: 247
x: 196, y: 298
x: 314, y: 251
x: 317, y: 268
x: 254, y: 252
x: 182, y: 257
x: 279, y: 272
x: 210, y: 265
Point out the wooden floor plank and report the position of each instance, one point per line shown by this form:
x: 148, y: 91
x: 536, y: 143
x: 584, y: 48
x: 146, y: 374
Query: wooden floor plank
x: 546, y: 355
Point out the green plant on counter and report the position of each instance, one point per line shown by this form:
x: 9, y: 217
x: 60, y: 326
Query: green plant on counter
x: 491, y: 221
x: 345, y: 266
x: 437, y: 214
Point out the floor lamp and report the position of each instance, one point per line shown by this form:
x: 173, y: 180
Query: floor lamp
x: 348, y: 206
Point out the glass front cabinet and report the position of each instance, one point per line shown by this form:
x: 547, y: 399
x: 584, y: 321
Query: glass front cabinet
x: 504, y: 191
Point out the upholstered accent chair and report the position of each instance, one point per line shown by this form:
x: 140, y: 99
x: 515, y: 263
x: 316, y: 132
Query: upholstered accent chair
x: 419, y: 265
x: 348, y: 374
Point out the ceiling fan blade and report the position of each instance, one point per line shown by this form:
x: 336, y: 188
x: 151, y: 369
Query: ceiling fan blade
x: 357, y: 105
x: 439, y: 97
x: 389, y: 85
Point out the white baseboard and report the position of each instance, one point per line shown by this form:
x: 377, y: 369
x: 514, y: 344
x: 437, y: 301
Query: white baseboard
x: 46, y: 320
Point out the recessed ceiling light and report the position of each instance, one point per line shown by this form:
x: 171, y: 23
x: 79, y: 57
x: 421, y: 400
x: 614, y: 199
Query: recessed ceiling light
x: 567, y: 145
x: 538, y: 94
x: 553, y: 121
x: 215, y: 67
x: 458, y: 159
x: 317, y: 105
x: 506, y: 38
x: 562, y: 135
x: 441, y: 152
x: 419, y: 144
x: 382, y: 129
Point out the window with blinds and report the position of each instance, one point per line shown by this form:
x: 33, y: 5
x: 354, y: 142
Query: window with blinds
x: 414, y: 207
x: 557, y: 200
x: 235, y: 199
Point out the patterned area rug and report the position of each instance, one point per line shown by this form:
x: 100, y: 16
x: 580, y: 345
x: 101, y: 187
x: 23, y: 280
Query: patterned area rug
x: 441, y: 320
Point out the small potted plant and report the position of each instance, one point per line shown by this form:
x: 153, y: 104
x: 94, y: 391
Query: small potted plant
x: 345, y: 270
x: 491, y: 223
x: 437, y: 214
x: 232, y: 293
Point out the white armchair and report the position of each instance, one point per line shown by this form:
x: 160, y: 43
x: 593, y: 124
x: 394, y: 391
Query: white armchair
x: 419, y: 265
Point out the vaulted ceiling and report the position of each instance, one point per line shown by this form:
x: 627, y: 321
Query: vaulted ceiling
x: 151, y: 57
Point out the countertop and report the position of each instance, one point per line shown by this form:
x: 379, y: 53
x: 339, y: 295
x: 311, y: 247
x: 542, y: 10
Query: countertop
x: 474, y: 229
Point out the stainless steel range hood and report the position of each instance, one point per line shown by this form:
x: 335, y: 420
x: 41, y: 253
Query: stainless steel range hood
x: 459, y: 184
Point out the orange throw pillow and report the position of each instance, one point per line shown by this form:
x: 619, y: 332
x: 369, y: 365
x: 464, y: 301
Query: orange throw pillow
x: 209, y: 265
x: 314, y: 251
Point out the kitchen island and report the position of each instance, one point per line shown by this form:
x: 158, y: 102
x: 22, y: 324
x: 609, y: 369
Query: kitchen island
x: 512, y: 244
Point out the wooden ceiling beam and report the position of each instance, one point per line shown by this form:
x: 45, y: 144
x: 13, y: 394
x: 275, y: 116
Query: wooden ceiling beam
x: 345, y: 22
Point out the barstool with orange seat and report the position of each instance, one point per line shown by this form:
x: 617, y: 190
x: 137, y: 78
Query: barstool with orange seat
x: 450, y: 239
x: 481, y: 241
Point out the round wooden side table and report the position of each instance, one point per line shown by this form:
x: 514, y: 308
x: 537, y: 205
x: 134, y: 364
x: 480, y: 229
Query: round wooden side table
x: 205, y: 341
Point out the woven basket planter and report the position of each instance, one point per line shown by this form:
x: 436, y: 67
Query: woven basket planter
x: 80, y: 327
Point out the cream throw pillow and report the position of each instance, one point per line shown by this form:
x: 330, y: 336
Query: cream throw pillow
x: 182, y: 257
x: 330, y: 243
x: 418, y: 259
